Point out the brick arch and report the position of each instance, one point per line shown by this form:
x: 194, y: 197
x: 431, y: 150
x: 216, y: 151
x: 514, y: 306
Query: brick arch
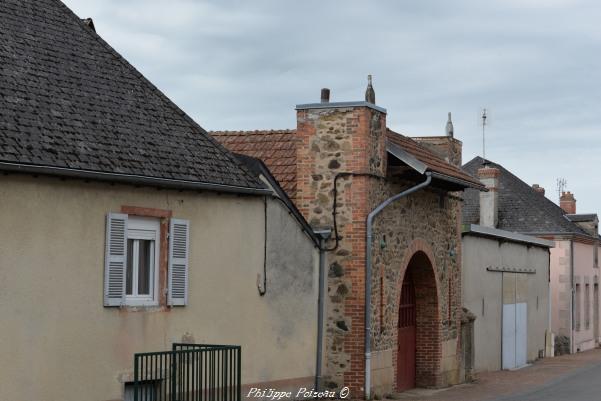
x: 419, y: 258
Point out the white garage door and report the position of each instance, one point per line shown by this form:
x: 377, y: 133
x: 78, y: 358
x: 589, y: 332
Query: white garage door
x: 515, y: 335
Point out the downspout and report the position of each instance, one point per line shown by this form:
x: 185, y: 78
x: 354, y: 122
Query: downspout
x: 549, y: 307
x: 572, y: 348
x: 368, y: 262
x: 323, y: 236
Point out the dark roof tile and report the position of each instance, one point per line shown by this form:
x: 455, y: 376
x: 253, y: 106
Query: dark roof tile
x: 521, y: 208
x: 67, y: 99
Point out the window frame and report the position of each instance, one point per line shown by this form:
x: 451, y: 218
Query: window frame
x: 145, y: 228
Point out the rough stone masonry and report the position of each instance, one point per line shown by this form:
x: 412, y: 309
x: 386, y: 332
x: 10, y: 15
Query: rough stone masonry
x: 337, y: 140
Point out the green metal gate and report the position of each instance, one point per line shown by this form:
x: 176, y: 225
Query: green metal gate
x: 189, y: 372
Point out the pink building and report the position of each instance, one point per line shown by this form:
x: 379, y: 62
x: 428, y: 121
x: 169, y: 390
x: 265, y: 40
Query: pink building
x: 574, y: 268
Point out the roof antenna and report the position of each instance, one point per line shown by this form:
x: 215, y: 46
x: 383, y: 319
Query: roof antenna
x: 562, y: 183
x: 484, y: 117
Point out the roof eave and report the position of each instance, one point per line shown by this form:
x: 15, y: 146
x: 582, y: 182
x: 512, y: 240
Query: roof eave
x: 459, y: 181
x: 131, y: 179
x: 484, y: 231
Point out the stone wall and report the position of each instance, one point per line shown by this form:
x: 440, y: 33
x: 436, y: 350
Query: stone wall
x: 341, y: 140
x: 422, y: 216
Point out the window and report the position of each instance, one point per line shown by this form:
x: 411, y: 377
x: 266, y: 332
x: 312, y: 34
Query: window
x: 132, y: 262
x: 141, y: 277
x: 587, y: 306
x: 577, y: 308
x: 596, y: 254
x: 147, y: 390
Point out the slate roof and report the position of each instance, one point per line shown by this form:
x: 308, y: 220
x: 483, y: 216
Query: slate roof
x: 429, y: 158
x: 521, y: 208
x: 276, y: 148
x: 68, y: 102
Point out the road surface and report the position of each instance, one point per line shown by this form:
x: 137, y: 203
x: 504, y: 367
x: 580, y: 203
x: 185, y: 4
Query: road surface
x: 584, y: 384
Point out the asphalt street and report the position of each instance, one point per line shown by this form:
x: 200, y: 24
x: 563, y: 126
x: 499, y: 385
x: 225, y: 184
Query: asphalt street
x: 584, y: 384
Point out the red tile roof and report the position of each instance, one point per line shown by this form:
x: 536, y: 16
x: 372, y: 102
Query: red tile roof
x: 429, y: 158
x: 276, y: 148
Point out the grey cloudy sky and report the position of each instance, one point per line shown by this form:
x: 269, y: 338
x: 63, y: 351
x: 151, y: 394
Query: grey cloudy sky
x: 534, y: 64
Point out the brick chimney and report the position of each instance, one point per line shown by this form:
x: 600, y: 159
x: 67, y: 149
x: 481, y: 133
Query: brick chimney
x: 567, y: 202
x: 489, y: 201
x: 538, y: 188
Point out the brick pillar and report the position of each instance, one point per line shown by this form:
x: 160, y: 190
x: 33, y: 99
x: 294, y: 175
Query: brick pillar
x: 337, y: 138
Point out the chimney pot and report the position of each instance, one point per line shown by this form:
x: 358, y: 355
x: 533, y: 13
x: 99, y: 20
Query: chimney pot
x: 538, y: 189
x: 325, y: 95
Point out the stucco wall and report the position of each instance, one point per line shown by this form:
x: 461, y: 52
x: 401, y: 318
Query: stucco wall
x: 561, y: 287
x: 483, y: 294
x: 58, y: 341
x: 584, y: 273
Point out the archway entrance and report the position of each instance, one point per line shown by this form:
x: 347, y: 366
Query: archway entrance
x: 418, y: 341
x: 406, y: 336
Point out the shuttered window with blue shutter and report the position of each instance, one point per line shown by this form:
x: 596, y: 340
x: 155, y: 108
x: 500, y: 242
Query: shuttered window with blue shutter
x: 115, y: 259
x: 179, y: 244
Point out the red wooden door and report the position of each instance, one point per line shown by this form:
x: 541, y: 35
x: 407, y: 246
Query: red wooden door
x: 406, y: 337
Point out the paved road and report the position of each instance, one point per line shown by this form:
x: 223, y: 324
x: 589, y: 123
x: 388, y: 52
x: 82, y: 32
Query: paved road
x: 583, y: 384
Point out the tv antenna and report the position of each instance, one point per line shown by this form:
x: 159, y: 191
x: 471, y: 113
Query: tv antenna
x: 484, y: 117
x: 561, y: 186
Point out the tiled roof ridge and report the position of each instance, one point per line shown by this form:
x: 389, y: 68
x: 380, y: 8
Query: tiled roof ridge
x: 119, y: 58
x: 253, y: 132
x: 419, y: 145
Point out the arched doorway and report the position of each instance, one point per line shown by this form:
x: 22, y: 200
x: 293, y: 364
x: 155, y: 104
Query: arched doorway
x: 418, y: 339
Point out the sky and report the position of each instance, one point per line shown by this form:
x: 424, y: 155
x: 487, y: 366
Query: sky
x: 239, y: 65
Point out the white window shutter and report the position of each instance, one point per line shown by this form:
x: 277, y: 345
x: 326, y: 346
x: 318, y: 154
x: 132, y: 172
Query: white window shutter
x: 179, y: 245
x: 115, y: 261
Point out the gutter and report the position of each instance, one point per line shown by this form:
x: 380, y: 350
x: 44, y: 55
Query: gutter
x: 368, y: 269
x: 132, y: 179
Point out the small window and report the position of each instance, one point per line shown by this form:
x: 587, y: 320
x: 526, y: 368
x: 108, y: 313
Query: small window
x: 577, y: 307
x: 587, y: 306
x: 141, y: 276
x: 147, y: 391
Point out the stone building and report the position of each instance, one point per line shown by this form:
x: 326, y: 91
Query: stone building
x: 574, y: 263
x: 394, y: 298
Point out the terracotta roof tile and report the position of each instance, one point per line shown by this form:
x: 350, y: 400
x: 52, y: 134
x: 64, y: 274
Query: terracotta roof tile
x: 426, y: 156
x: 276, y: 148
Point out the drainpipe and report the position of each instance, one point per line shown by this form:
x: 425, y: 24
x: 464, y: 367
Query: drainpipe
x: 323, y: 236
x: 572, y: 297
x: 550, y: 308
x: 368, y: 243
